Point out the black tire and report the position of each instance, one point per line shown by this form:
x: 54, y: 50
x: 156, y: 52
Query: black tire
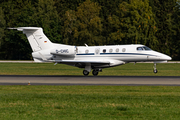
x: 155, y: 70
x: 95, y: 73
x: 85, y: 72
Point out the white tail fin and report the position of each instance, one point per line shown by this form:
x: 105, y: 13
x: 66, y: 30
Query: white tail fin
x: 36, y: 38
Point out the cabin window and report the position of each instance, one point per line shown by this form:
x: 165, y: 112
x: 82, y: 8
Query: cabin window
x: 97, y: 50
x: 117, y: 49
x: 110, y: 50
x: 124, y: 50
x: 104, y: 50
x: 87, y: 51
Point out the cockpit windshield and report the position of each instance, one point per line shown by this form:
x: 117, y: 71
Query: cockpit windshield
x: 146, y: 48
x: 143, y: 48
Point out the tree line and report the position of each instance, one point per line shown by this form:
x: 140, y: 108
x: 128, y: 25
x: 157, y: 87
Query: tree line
x: 154, y: 23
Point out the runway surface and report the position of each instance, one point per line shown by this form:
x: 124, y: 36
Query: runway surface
x: 89, y: 80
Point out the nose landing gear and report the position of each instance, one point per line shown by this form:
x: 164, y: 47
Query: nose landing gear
x: 155, y: 70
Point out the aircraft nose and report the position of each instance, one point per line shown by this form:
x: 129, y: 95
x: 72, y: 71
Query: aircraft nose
x: 166, y: 57
x: 169, y: 58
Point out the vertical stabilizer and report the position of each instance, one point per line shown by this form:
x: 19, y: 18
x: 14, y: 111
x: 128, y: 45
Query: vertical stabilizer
x: 36, y: 38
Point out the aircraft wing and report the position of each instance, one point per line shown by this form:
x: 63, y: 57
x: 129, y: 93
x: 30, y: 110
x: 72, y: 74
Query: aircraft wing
x: 97, y: 62
x: 108, y: 62
x: 82, y: 61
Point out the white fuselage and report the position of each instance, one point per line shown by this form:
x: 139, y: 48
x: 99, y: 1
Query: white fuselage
x: 116, y: 54
x: 88, y: 57
x: 126, y: 53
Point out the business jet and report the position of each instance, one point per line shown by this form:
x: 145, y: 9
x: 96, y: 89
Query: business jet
x: 88, y: 57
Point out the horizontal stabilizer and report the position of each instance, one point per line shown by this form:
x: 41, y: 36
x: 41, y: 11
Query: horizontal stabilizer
x: 25, y: 28
x: 36, y: 38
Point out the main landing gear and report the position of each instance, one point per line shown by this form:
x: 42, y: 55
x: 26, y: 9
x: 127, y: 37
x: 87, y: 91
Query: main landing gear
x: 94, y: 72
x: 155, y: 70
x: 85, y: 72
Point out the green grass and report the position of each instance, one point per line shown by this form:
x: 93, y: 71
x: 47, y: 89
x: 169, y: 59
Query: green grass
x: 89, y: 102
x: 139, y: 69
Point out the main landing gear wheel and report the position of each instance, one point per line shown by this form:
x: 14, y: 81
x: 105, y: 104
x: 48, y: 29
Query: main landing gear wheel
x: 155, y: 70
x: 85, y: 72
x: 95, y: 73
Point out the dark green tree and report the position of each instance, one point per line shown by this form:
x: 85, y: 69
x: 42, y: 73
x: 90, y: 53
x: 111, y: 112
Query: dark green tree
x: 108, y: 8
x: 70, y: 24
x: 25, y: 13
x: 134, y: 24
x: 17, y: 13
x: 46, y: 16
x: 2, y: 25
x: 175, y: 41
x: 84, y: 25
x: 89, y: 26
x: 164, y: 11
x: 94, y: 22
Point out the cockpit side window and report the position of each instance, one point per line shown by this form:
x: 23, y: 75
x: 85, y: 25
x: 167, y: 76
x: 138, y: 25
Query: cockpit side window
x: 139, y: 48
x: 143, y: 48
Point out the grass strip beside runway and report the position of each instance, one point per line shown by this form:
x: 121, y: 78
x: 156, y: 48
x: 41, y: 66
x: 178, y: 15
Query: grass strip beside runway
x: 139, y: 69
x: 89, y: 102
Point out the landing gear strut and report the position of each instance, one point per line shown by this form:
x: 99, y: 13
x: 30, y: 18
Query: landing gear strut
x: 155, y: 70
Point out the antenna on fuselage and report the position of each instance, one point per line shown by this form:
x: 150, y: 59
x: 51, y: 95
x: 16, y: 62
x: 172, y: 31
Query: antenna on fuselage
x: 85, y: 44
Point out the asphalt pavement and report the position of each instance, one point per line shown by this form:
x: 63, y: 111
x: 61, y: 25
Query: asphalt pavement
x: 89, y: 80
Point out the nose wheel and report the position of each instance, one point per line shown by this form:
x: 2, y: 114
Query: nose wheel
x: 155, y: 70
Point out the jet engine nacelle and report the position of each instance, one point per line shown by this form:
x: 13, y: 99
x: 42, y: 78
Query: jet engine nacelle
x: 64, y: 51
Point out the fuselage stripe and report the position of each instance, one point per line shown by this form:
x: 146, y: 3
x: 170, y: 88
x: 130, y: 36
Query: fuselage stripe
x: 118, y: 54
x: 86, y: 54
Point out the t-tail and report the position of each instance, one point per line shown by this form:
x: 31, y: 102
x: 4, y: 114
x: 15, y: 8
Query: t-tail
x: 43, y: 49
x: 36, y: 38
x: 39, y: 43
